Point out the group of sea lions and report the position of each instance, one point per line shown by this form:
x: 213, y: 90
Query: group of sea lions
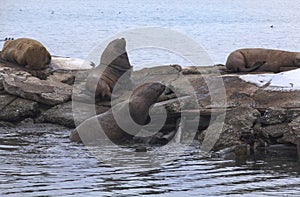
x: 114, y: 64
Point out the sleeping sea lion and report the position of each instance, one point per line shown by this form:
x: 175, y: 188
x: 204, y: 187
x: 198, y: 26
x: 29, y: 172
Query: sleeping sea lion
x: 114, y: 63
x: 139, y: 104
x: 26, y: 52
x: 259, y: 59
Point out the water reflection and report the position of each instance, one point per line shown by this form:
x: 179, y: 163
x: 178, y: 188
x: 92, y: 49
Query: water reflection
x: 41, y: 161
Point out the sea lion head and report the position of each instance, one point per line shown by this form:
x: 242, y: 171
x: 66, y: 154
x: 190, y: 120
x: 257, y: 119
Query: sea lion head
x: 113, y: 50
x: 142, y: 99
x: 297, y: 60
x: 37, y: 56
x: 6, y: 43
x: 4, y: 49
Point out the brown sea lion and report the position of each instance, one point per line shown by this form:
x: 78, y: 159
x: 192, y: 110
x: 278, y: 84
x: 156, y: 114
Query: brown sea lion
x: 114, y: 63
x: 26, y: 52
x: 259, y: 59
x: 139, y: 104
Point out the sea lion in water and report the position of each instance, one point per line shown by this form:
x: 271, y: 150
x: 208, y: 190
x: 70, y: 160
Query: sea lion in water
x: 26, y: 52
x: 139, y: 104
x: 259, y: 59
x: 114, y: 63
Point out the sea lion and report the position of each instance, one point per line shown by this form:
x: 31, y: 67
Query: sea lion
x: 139, y: 104
x: 265, y: 60
x: 26, y: 52
x: 114, y: 63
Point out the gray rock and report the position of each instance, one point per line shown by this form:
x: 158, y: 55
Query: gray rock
x: 292, y: 114
x: 274, y: 115
x: 275, y: 131
x: 281, y: 99
x: 163, y: 74
x: 242, y: 117
x: 63, y: 114
x: 238, y: 125
x: 292, y: 133
x: 211, y: 139
x: 62, y: 77
x: 13, y: 109
x: 59, y: 114
x: 240, y: 99
x: 48, y: 91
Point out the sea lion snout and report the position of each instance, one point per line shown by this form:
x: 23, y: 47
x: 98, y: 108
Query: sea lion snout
x: 297, y: 60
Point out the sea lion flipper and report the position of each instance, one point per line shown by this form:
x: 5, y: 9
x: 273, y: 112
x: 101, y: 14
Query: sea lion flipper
x: 255, y: 66
x: 258, y: 64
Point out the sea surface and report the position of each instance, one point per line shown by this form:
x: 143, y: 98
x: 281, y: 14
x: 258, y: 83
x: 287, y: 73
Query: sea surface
x: 74, y: 28
x: 41, y: 161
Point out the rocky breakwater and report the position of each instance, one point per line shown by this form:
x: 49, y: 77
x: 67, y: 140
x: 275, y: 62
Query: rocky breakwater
x: 203, y: 104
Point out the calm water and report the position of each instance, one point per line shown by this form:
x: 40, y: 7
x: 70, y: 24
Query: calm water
x: 42, y: 162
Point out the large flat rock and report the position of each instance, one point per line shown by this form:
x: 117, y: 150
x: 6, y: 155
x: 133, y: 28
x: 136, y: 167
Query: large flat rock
x: 48, y: 92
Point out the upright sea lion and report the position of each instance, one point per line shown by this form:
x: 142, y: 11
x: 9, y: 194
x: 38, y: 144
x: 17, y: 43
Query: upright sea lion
x: 139, y: 104
x: 26, y: 52
x: 114, y: 63
x: 259, y: 59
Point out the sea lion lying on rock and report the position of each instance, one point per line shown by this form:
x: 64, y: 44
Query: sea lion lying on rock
x: 259, y: 59
x: 139, y: 104
x: 26, y: 52
x: 114, y: 63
